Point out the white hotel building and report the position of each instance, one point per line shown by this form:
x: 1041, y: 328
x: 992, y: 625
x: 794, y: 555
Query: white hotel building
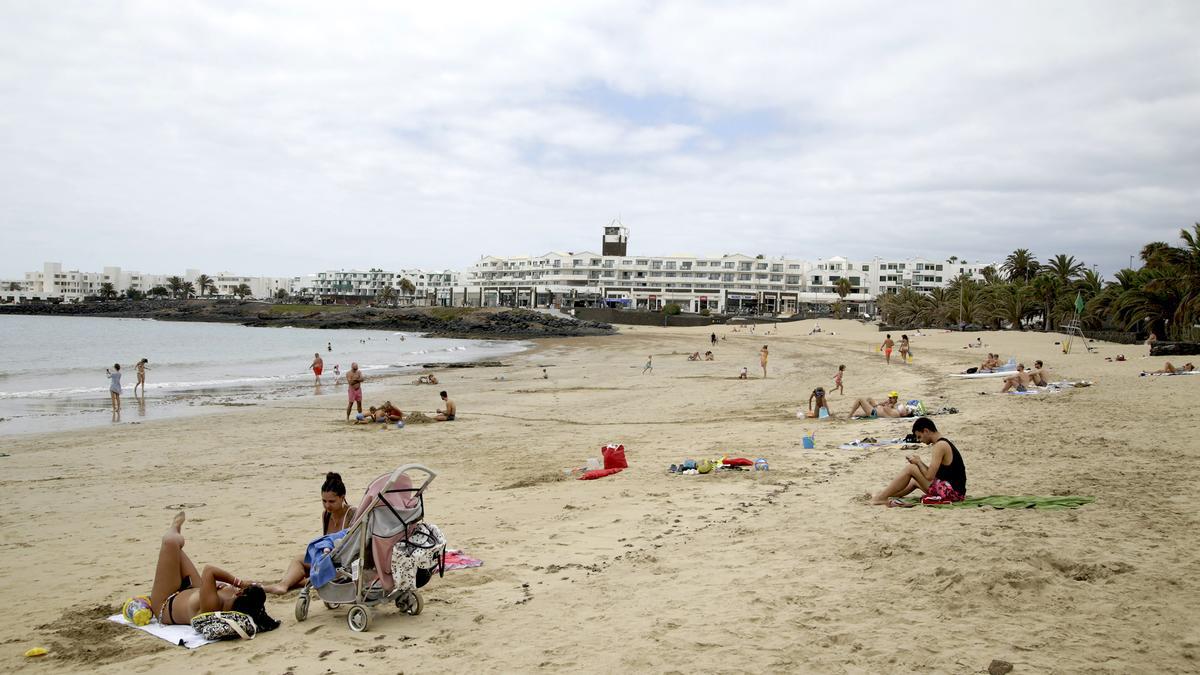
x: 429, y: 287
x: 55, y: 283
x: 727, y: 283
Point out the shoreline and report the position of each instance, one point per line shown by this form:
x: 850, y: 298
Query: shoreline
x: 782, y: 570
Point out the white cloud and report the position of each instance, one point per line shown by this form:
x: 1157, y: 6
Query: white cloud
x: 283, y: 137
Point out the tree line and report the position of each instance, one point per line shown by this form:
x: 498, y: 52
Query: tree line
x: 1159, y: 297
x: 177, y: 287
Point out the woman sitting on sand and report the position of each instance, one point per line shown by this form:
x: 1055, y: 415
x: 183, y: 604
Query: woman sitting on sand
x: 708, y: 356
x: 694, y: 356
x: 180, y: 592
x: 337, y: 514
x: 818, y: 395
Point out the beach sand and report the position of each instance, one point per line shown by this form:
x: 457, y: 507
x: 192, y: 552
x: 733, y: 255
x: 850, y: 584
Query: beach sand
x: 785, y: 570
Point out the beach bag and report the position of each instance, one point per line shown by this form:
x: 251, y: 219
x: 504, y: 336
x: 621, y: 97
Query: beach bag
x: 224, y: 625
x: 614, y: 456
x: 705, y: 466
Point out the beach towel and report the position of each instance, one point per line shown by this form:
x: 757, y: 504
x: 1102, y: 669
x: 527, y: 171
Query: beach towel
x: 181, y: 636
x: 457, y: 560
x: 737, y: 461
x: 598, y: 473
x: 317, y: 557
x: 1010, y: 502
x: 870, y: 443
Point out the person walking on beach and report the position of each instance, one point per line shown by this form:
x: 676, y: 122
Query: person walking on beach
x: 114, y: 387
x: 887, y: 348
x: 837, y: 380
x: 905, y: 350
x: 713, y: 339
x: 317, y: 366
x: 141, y: 377
x: 649, y: 365
x: 337, y: 374
x: 762, y: 359
x: 448, y: 414
x: 354, y: 380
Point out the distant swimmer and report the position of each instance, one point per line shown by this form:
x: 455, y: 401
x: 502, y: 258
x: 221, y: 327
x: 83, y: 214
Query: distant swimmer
x: 449, y: 413
x: 114, y: 387
x: 142, y: 367
x: 317, y: 366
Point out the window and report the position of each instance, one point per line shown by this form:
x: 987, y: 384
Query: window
x: 743, y: 277
x: 729, y: 265
x: 685, y: 266
x: 670, y: 265
x: 866, y: 268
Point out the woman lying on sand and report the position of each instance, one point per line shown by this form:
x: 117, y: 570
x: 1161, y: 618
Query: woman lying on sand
x: 944, y: 477
x: 426, y: 379
x: 175, y: 598
x: 889, y: 408
x: 1169, y: 369
x: 337, y: 514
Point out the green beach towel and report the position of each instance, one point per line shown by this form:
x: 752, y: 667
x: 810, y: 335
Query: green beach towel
x: 1009, y: 502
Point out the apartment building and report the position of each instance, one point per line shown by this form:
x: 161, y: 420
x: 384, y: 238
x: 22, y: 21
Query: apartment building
x: 423, y: 287
x: 732, y: 283
x: 55, y: 283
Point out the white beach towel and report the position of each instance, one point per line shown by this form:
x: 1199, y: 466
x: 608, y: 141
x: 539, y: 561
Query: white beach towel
x: 183, y: 635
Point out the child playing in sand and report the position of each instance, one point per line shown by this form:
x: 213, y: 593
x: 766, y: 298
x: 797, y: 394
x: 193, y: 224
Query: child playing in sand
x: 745, y: 374
x: 649, y: 365
x: 837, y: 380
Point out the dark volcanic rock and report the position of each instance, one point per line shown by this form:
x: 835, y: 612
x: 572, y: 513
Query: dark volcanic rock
x: 435, y: 321
x: 1175, y: 348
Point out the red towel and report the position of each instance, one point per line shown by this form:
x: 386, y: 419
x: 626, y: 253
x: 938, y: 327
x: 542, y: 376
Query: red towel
x: 737, y: 461
x: 598, y: 473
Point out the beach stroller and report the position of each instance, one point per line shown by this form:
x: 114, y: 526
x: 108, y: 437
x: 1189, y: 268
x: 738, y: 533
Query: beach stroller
x: 386, y: 554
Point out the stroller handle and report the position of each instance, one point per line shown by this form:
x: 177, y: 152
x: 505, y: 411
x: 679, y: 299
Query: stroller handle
x: 401, y: 470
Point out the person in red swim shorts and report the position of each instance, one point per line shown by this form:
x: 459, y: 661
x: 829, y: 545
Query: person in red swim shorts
x: 317, y: 366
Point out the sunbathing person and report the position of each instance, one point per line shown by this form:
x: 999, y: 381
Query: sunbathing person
x: 1021, y: 381
x: 694, y: 356
x: 708, y: 356
x: 427, y: 379
x: 1038, y: 374
x: 1169, y: 369
x: 945, y: 476
x: 889, y: 408
x: 336, y: 515
x: 180, y: 592
x: 818, y: 395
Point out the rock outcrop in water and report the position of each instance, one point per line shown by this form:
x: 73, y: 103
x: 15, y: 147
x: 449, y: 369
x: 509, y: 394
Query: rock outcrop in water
x: 451, y: 322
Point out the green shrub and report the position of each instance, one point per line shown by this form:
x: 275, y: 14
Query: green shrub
x: 672, y: 309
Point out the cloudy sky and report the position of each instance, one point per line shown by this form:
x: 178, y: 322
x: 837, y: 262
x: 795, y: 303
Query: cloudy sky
x: 288, y: 137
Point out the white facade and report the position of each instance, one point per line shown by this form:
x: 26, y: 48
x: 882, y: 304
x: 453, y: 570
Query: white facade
x: 428, y: 287
x: 728, y: 283
x: 55, y: 283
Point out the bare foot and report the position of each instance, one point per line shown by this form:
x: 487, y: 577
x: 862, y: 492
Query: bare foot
x: 177, y: 523
x: 275, y: 589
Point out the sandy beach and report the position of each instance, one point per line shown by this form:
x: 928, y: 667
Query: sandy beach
x: 785, y: 570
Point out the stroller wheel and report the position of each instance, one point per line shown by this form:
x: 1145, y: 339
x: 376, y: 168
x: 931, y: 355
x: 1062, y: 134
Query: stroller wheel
x: 332, y: 605
x: 302, y: 606
x: 410, y: 603
x: 359, y: 618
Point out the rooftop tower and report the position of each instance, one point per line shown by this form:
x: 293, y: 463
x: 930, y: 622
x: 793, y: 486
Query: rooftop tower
x: 616, y: 238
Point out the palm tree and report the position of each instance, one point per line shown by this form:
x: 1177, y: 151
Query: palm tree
x: 1020, y: 265
x: 1159, y: 255
x: 107, y: 291
x: 188, y: 289
x: 1045, y: 288
x: 281, y: 294
x: 14, y: 286
x: 1064, y: 267
x: 160, y: 291
x: 991, y: 276
x: 242, y: 290
x: 205, y: 284
x: 176, y: 285
x: 386, y: 296
x: 1012, y: 303
x: 132, y: 293
x: 407, y: 288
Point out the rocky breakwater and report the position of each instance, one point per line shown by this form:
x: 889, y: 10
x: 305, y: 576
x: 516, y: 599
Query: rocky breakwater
x: 452, y: 322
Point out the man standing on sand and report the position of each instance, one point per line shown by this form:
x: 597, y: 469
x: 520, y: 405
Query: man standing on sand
x: 141, y: 377
x: 317, y: 366
x: 762, y: 359
x: 713, y: 338
x: 649, y: 365
x: 887, y: 347
x: 354, y: 380
x: 448, y: 414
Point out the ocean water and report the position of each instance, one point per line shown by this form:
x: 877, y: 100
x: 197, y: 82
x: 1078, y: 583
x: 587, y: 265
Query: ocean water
x: 52, y: 368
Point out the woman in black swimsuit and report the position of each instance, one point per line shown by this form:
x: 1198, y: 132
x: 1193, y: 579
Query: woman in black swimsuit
x: 945, y: 476
x: 180, y: 591
x: 336, y: 516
